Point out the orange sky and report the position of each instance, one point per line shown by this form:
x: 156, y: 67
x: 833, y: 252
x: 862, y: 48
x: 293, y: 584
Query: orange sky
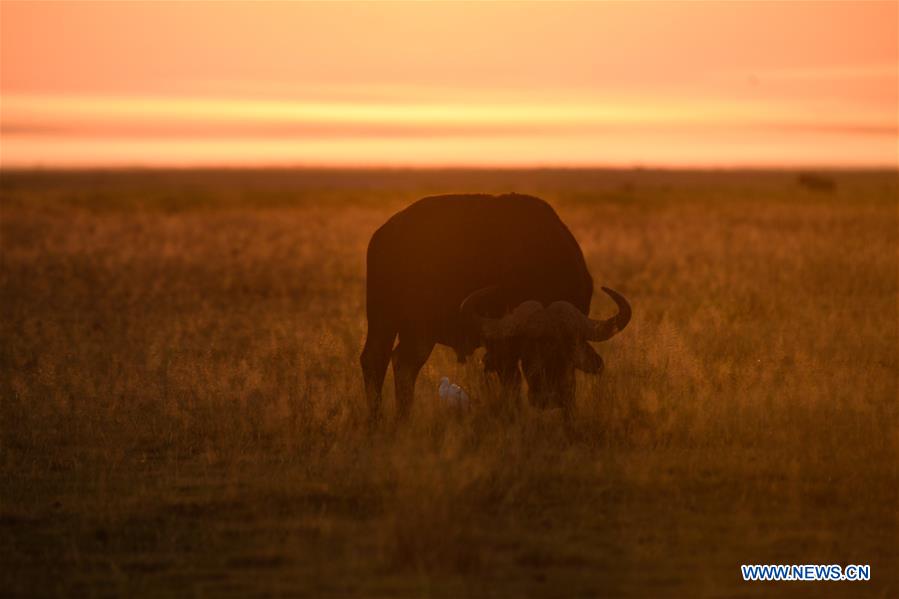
x: 523, y: 84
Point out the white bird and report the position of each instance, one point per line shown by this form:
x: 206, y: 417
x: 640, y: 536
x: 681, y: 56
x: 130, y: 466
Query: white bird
x: 452, y: 394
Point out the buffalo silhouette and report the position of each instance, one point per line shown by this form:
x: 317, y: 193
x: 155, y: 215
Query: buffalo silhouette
x: 466, y: 271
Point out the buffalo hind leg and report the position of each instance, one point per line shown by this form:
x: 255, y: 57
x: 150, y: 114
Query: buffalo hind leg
x: 375, y: 358
x: 408, y: 358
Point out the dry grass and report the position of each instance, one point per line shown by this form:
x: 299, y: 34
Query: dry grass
x: 179, y: 394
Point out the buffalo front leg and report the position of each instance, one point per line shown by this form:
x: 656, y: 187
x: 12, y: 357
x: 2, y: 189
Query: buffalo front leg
x: 408, y: 358
x: 375, y: 358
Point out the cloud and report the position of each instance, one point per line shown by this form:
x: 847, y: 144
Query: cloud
x: 684, y: 131
x: 210, y: 117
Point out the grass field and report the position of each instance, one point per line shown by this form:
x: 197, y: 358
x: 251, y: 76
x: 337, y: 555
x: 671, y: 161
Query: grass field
x: 181, y: 402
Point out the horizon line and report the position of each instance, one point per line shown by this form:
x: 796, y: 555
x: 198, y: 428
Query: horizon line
x: 848, y: 168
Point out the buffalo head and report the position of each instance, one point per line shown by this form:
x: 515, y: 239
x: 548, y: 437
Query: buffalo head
x: 549, y: 341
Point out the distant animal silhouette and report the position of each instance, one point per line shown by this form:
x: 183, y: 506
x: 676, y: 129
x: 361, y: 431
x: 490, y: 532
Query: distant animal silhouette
x: 816, y: 182
x: 465, y: 271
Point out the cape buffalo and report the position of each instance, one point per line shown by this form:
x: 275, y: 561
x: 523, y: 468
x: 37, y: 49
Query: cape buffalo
x: 466, y: 271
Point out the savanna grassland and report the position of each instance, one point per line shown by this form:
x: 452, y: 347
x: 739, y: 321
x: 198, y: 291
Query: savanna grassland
x: 181, y: 407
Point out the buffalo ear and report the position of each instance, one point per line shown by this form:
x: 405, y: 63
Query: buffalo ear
x: 586, y: 359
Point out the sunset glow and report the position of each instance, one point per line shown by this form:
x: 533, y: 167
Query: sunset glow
x: 668, y: 84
